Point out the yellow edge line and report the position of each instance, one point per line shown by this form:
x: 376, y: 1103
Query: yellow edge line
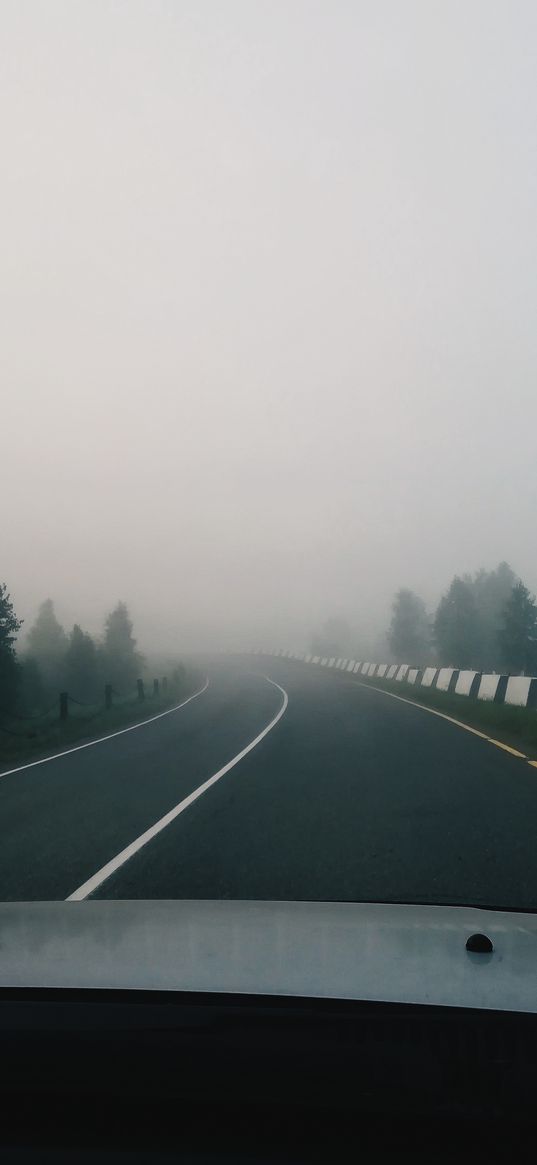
x: 459, y: 723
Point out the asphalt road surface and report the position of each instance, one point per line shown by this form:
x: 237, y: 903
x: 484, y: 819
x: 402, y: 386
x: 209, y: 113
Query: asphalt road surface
x: 351, y: 795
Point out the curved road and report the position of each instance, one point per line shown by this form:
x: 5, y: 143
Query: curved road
x: 350, y: 794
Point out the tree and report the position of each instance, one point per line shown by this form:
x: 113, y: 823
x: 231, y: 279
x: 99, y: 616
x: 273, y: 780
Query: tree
x: 409, y: 635
x: 333, y: 640
x: 492, y: 589
x: 81, y: 665
x: 9, y: 628
x: 121, y: 660
x: 518, y: 636
x: 47, y: 642
x: 32, y: 695
x: 456, y: 626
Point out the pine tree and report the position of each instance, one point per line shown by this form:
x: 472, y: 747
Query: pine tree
x: 121, y: 660
x: 518, y: 636
x: 9, y: 628
x: 492, y: 589
x: 81, y: 665
x: 456, y: 627
x: 47, y: 643
x: 409, y: 635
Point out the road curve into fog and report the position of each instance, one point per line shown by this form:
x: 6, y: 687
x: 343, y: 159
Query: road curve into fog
x: 292, y: 784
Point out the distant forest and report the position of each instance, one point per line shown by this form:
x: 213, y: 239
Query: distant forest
x: 54, y: 660
x: 486, y: 621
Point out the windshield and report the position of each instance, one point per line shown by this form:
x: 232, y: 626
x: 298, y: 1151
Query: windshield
x: 268, y: 626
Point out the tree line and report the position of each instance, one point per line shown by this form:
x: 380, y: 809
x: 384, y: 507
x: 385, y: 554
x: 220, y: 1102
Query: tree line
x: 486, y: 621
x: 54, y: 660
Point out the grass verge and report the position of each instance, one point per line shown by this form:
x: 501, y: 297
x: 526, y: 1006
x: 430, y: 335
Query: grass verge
x: 23, y: 741
x: 514, y: 726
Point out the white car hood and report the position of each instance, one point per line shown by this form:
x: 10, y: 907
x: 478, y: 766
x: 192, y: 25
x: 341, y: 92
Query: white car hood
x: 367, y: 951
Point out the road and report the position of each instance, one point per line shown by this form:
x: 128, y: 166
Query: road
x: 350, y: 794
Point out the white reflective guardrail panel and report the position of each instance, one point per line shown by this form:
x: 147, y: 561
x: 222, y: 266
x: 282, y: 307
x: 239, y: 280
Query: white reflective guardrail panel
x: 464, y: 683
x: 488, y: 687
x: 518, y: 690
x: 444, y: 678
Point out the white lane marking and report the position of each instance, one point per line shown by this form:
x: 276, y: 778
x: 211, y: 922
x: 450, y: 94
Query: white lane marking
x: 89, y: 743
x: 101, y: 876
x: 443, y: 716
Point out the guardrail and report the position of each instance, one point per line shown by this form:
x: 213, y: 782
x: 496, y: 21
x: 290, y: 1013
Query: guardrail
x: 64, y: 700
x: 520, y: 691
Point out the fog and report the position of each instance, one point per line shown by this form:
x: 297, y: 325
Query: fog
x: 268, y: 300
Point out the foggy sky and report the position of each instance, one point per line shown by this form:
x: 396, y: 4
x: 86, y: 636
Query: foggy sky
x: 267, y: 307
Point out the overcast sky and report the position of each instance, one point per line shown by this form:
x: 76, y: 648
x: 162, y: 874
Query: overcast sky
x: 267, y: 307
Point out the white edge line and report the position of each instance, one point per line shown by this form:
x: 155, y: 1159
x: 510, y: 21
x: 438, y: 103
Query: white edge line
x: 101, y: 739
x: 443, y: 716
x: 101, y: 876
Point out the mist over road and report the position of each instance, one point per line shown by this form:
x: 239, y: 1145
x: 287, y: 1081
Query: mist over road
x: 348, y: 794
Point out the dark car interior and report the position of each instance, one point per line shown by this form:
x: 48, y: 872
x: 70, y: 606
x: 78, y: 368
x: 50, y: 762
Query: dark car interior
x: 157, y: 1076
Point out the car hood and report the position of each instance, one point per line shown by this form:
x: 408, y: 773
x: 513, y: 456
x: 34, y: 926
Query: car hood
x: 341, y: 950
